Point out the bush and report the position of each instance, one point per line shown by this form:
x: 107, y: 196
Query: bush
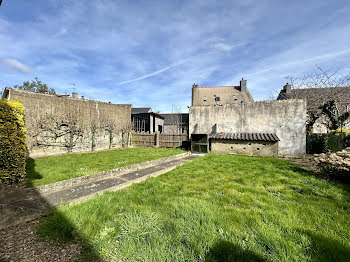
x: 335, y: 164
x: 13, y: 151
x: 316, y: 144
x: 347, y: 141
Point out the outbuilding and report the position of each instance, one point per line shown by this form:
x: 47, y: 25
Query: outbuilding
x: 251, y: 144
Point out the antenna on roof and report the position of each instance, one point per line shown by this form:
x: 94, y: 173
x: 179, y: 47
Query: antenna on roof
x: 196, y: 80
x: 73, y: 88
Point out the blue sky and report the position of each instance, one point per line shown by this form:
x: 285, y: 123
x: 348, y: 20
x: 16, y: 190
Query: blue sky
x: 149, y: 53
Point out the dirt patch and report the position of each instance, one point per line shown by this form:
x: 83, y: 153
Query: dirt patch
x: 307, y: 162
x: 21, y: 243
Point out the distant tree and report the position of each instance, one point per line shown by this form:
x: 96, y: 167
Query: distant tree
x: 330, y: 109
x: 36, y: 86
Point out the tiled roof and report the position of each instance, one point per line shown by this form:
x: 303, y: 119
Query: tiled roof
x: 316, y: 97
x: 247, y: 136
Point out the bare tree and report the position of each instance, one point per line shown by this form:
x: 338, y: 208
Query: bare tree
x: 110, y: 127
x: 320, y: 87
x: 126, y: 135
x: 59, y: 129
x: 94, y: 129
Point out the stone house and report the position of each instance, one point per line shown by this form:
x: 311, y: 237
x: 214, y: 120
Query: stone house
x: 284, y: 119
x: 315, y: 98
x: 144, y: 120
x: 59, y: 123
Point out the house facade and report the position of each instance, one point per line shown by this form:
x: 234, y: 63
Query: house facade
x: 220, y: 95
x: 286, y: 119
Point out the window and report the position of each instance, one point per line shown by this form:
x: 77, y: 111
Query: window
x: 217, y: 98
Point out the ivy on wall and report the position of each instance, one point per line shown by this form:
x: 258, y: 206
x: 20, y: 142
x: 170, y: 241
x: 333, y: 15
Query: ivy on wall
x: 13, y: 151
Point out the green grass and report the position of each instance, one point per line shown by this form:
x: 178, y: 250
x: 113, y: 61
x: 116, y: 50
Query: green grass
x: 216, y: 208
x: 51, y: 169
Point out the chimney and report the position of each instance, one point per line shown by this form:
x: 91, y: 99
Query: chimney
x: 287, y: 88
x: 193, y: 87
x: 75, y: 95
x: 243, y: 85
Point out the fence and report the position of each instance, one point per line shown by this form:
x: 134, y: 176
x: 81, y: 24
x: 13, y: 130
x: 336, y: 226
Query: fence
x: 159, y: 140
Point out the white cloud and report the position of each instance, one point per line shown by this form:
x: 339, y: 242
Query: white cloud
x: 223, y: 47
x: 15, y: 64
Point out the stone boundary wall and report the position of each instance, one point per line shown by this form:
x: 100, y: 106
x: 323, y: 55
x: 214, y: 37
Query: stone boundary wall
x: 63, y: 124
x: 286, y: 118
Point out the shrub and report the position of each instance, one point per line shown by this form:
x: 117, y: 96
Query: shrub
x: 12, y: 142
x: 335, y: 164
x: 347, y: 141
x: 316, y: 143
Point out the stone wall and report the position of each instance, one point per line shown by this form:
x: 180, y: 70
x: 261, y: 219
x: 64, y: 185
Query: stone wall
x: 249, y: 148
x: 62, y: 124
x: 285, y: 118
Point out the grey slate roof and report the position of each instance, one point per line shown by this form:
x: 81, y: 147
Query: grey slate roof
x: 316, y: 97
x: 247, y: 136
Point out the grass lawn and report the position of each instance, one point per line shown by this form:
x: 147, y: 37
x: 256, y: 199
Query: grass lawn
x: 51, y: 169
x: 216, y: 208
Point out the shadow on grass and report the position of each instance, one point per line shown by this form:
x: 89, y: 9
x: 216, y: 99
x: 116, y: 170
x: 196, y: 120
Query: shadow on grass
x: 32, y: 174
x: 225, y: 251
x: 325, y: 249
x: 19, y: 205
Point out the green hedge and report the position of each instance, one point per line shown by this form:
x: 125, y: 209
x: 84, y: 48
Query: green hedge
x: 316, y: 144
x: 13, y: 151
x: 322, y: 143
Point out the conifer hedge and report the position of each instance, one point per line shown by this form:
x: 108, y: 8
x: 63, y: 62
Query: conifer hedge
x: 13, y: 151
